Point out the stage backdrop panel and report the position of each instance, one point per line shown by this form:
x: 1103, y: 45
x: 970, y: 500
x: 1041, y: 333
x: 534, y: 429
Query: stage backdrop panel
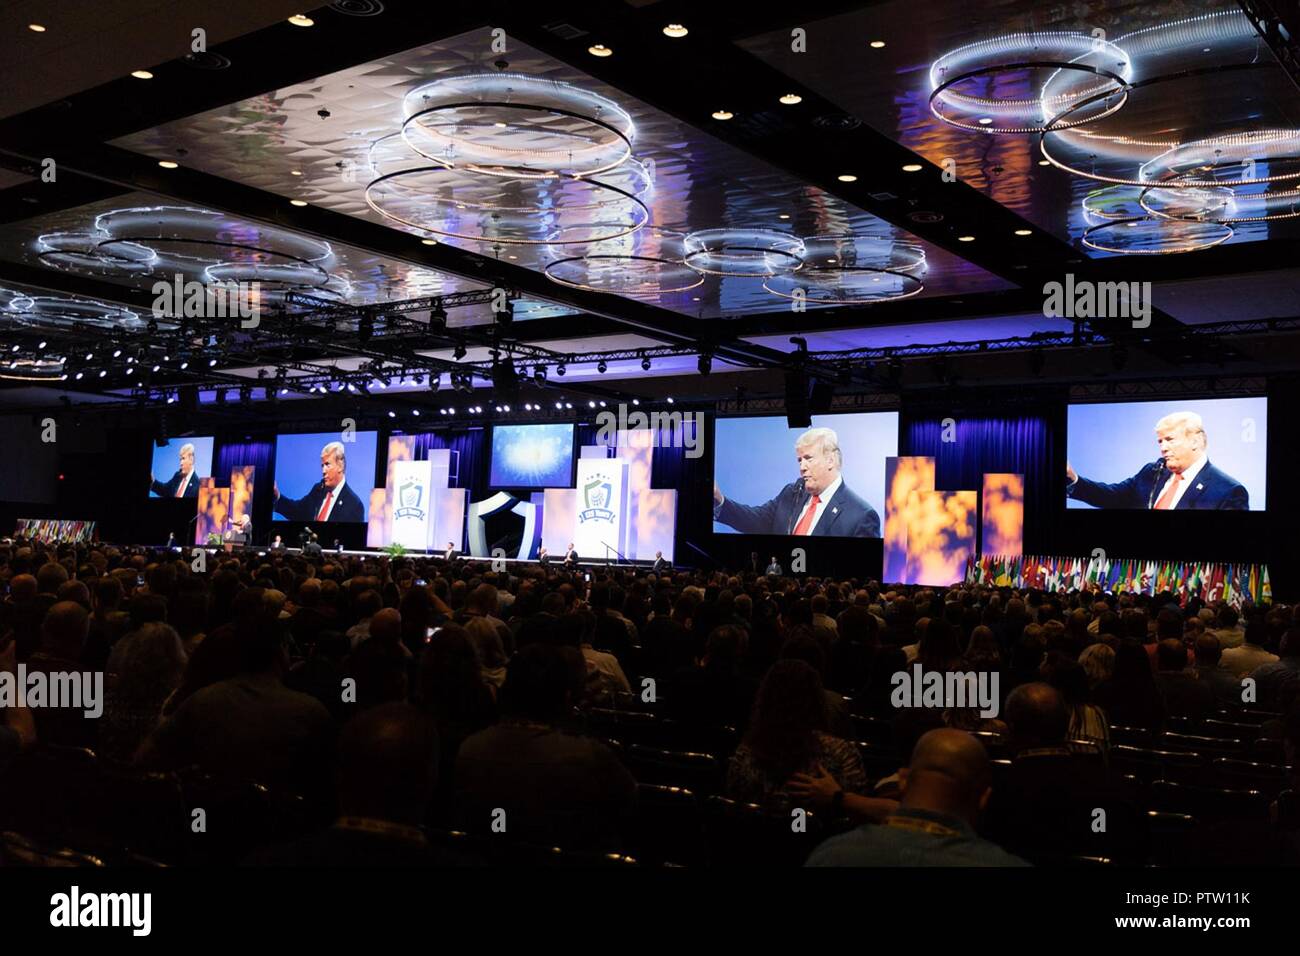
x: 379, y: 527
x: 560, y: 517
x: 1112, y: 442
x: 214, y: 511
x: 1002, y: 513
x: 906, y: 478
x: 602, y: 519
x: 241, y: 492
x: 941, y: 537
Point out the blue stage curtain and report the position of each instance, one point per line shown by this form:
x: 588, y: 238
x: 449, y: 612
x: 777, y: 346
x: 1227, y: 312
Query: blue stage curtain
x: 1022, y: 444
x: 471, y: 447
x: 260, y: 453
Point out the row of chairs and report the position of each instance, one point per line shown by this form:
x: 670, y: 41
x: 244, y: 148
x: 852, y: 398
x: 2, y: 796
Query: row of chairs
x: 57, y: 795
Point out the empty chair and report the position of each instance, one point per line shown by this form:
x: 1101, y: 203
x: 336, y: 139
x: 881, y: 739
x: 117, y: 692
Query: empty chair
x: 743, y: 834
x: 873, y: 729
x: 668, y: 827
x: 1217, y: 746
x: 1229, y: 729
x: 1209, y: 803
x: 18, y: 850
x: 878, y: 761
x: 1247, y: 774
x: 1148, y: 765
x: 1169, y: 837
x: 1131, y: 736
x: 701, y: 773
x: 629, y: 726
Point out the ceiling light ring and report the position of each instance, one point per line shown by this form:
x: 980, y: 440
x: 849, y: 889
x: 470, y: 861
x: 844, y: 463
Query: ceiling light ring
x: 734, y: 252
x: 814, y: 273
x: 1231, y: 201
x: 1121, y: 87
x: 1194, y: 73
x: 552, y: 268
x: 1089, y: 237
x: 639, y: 211
x: 289, y: 259
x: 902, y: 255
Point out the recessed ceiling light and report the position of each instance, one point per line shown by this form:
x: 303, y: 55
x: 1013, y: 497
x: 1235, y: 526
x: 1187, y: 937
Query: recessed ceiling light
x: 599, y: 49
x: 985, y: 120
x: 167, y: 164
x: 297, y: 202
x: 295, y: 172
x: 1024, y: 232
x: 36, y: 28
x: 299, y: 20
x: 675, y: 30
x: 965, y: 238
x: 1044, y: 162
x: 790, y: 99
x: 877, y: 44
x: 142, y: 74
x: 847, y: 178
x: 722, y: 115
x: 912, y: 168
x: 429, y: 242
x: 512, y: 257
x: 784, y: 215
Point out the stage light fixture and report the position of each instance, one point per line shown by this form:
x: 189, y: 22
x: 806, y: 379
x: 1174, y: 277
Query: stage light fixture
x: 539, y: 374
x: 559, y: 369
x: 438, y: 315
x: 636, y: 401
x: 392, y: 414
x: 645, y: 363
x: 569, y: 405
x: 705, y: 363
x: 591, y: 404
x: 601, y: 367
x: 669, y: 400
x: 458, y: 352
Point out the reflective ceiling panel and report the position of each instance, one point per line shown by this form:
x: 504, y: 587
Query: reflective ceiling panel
x: 556, y: 172
x: 1124, y: 127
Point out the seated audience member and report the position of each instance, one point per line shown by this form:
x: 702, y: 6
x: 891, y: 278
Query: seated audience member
x: 1228, y: 628
x: 23, y: 611
x: 144, y: 670
x: 17, y: 726
x: 851, y: 654
x: 1130, y: 698
x: 491, y: 652
x: 554, y: 788
x: 1098, y: 663
x: 63, y: 640
x: 800, y: 645
x: 452, y: 690
x: 1276, y: 683
x: 944, y: 789
x: 715, y: 691
x: 1251, y: 652
x: 1043, y: 808
x: 1225, y: 687
x: 1183, y: 692
x: 787, y: 735
x: 250, y: 727
x: 1087, y: 720
x: 387, y: 763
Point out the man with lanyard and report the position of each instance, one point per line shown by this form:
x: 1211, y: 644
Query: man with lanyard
x: 944, y: 789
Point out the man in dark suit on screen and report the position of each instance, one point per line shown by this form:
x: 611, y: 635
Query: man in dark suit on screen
x: 818, y: 503
x: 1181, y: 479
x: 183, y: 484
x: 330, y: 499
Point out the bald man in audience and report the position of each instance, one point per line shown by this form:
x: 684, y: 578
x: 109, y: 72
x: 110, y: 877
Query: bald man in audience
x: 945, y: 788
x: 63, y: 639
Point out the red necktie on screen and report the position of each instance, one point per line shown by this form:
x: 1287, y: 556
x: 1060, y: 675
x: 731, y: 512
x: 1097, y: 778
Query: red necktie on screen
x: 325, y: 506
x: 1167, y: 499
x: 805, y: 523
x: 180, y: 489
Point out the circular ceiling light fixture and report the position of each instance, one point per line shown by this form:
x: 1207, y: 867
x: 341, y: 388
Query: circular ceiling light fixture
x: 515, y: 126
x: 1154, y: 237
x: 843, y: 270
x: 600, y: 50
x: 142, y: 74
x: 791, y: 99
x: 168, y: 164
x: 1242, y: 159
x: 722, y: 115
x: 743, y: 252
x: 81, y: 252
x: 624, y: 275
x: 454, y: 203
x: 301, y: 20
x: 675, y: 30
x: 57, y: 312
x: 966, y: 83
x: 1111, y: 202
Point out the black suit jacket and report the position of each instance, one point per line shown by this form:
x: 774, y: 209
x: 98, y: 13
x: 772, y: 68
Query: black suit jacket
x: 846, y: 515
x: 167, y: 489
x: 571, y: 557
x: 661, y: 564
x: 347, y: 508
x: 1211, y: 490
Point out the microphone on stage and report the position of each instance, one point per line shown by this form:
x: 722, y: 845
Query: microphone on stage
x: 1155, y: 487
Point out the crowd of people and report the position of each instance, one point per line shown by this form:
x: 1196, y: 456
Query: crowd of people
x: 408, y: 693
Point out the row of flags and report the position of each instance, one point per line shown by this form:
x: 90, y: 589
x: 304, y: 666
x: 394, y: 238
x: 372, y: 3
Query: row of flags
x: 51, y: 530
x: 1210, y: 580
